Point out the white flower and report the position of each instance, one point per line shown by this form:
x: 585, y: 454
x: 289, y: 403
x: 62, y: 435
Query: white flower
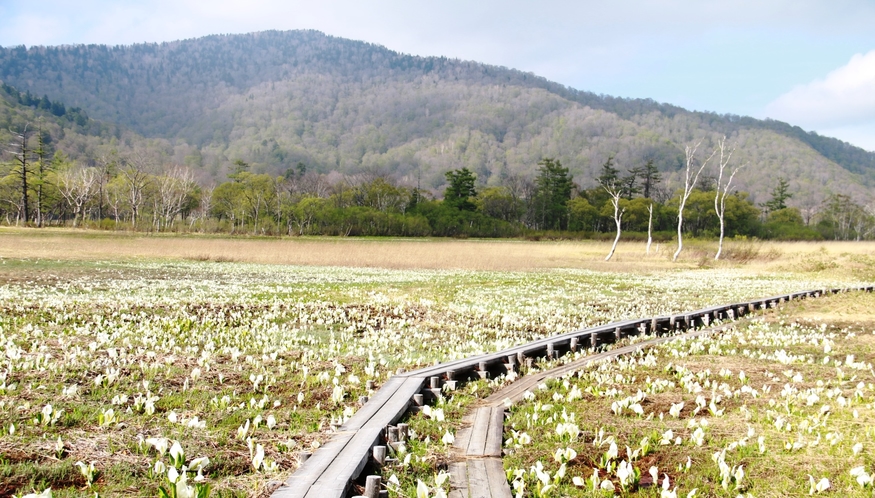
x: 199, y: 463
x: 819, y: 487
x: 258, y: 458
x: 176, y: 451
x: 863, y: 478
x: 448, y: 438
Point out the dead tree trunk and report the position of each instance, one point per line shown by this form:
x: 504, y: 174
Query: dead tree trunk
x: 690, y: 180
x: 615, y: 193
x: 723, y: 189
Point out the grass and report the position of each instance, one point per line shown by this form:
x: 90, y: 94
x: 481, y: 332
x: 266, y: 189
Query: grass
x: 396, y: 253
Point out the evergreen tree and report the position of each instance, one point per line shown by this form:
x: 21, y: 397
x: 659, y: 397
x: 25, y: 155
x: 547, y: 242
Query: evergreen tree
x: 780, y: 194
x: 553, y: 191
x: 461, y: 190
x: 650, y: 177
x: 21, y: 154
x: 610, y: 175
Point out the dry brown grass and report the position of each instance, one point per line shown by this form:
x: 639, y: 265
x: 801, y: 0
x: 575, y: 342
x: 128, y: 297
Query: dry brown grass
x: 67, y: 244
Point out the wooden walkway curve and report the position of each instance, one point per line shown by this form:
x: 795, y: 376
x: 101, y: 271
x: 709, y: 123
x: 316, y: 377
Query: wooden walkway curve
x: 479, y: 473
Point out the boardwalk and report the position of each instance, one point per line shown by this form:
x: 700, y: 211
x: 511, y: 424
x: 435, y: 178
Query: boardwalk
x: 477, y: 471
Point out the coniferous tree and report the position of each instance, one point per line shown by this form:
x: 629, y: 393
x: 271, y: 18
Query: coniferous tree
x: 21, y: 154
x: 650, y: 178
x: 780, y: 195
x: 553, y: 191
x: 460, y: 191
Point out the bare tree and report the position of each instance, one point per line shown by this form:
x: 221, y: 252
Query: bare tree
x: 615, y: 190
x: 649, y: 228
x: 21, y: 156
x: 204, y: 207
x: 137, y: 179
x: 174, y: 186
x: 77, y: 185
x: 42, y: 169
x: 690, y: 180
x: 723, y: 189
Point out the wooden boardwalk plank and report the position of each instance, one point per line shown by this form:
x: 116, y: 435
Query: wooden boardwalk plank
x: 458, y: 480
x: 497, y: 478
x: 478, y: 482
x: 347, y: 466
x: 310, y: 471
x: 384, y: 394
x: 495, y: 436
x: 397, y: 405
x: 477, y: 438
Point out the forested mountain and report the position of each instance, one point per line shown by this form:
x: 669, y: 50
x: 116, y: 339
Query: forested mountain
x: 278, y: 99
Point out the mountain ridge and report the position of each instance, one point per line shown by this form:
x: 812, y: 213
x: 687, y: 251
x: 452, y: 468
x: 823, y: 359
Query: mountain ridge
x: 277, y: 98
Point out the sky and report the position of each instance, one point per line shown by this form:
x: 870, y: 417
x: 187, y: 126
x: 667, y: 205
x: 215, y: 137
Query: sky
x: 810, y: 63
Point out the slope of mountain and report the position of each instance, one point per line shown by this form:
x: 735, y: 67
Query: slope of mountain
x: 275, y: 99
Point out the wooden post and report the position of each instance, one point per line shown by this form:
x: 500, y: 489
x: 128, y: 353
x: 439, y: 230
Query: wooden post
x: 654, y: 325
x: 418, y: 399
x: 303, y: 456
x: 482, y: 371
x: 372, y: 487
x: 379, y: 455
x: 593, y: 340
x: 618, y: 334
x: 573, y: 344
x: 550, y: 352
x: 403, y: 432
x: 434, y: 382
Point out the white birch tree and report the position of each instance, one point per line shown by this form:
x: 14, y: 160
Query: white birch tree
x: 723, y: 189
x: 649, y: 228
x: 690, y: 179
x: 615, y: 192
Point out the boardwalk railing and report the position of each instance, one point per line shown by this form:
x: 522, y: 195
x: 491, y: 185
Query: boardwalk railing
x: 332, y: 469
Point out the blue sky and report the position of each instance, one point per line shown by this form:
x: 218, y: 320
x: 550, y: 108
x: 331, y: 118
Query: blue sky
x: 810, y: 63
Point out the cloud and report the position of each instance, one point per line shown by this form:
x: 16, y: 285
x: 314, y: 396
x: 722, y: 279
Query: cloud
x: 844, y: 98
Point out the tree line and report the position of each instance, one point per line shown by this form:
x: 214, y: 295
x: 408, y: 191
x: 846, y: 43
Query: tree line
x: 136, y: 191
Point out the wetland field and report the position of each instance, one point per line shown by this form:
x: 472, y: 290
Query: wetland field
x: 138, y: 365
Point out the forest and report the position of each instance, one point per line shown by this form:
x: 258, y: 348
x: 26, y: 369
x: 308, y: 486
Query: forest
x: 134, y: 191
x: 302, y: 133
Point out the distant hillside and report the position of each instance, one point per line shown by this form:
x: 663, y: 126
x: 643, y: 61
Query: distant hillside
x: 65, y: 128
x: 276, y: 99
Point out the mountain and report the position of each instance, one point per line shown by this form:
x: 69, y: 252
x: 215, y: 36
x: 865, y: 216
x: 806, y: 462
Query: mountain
x: 276, y: 99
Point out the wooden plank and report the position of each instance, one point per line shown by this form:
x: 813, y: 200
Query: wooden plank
x: 309, y: 472
x: 495, y: 436
x: 477, y: 441
x: 384, y: 394
x: 458, y: 479
x: 347, y: 466
x: 497, y: 478
x: 478, y: 481
x: 397, y: 405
